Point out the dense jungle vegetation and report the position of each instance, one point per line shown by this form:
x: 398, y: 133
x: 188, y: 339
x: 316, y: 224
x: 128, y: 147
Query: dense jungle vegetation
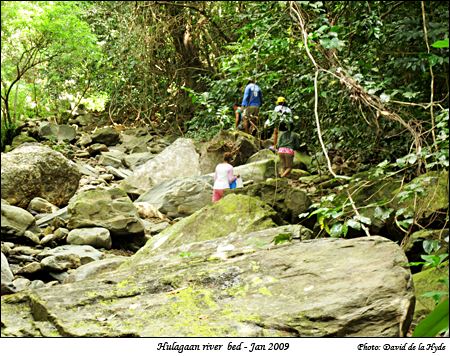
x: 367, y: 81
x: 380, y: 68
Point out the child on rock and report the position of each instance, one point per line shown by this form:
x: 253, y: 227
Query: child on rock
x: 223, y: 177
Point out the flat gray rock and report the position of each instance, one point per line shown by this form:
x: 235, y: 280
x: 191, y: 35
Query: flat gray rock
x: 15, y: 220
x: 242, y: 285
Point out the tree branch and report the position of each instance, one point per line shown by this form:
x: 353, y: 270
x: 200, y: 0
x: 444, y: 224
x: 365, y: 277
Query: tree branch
x: 366, y: 230
x: 357, y: 92
x: 171, y: 3
x: 392, y: 9
x: 425, y: 33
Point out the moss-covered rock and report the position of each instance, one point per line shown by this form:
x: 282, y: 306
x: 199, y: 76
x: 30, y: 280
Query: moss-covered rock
x: 301, y: 160
x: 372, y: 198
x: 238, y: 285
x: 234, y: 213
x: 383, y: 198
x: 262, y: 155
x: 16, y: 314
x: 285, y: 199
x: 20, y: 139
x: 111, y: 209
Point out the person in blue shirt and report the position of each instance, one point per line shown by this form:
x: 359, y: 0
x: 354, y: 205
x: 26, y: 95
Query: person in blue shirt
x: 251, y: 103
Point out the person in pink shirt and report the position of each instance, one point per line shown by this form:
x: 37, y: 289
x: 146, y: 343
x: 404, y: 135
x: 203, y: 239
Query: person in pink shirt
x: 223, y: 177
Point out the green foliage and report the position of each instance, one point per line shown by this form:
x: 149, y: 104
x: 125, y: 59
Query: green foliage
x: 209, y: 119
x: 183, y: 64
x: 440, y: 44
x: 435, y: 323
x: 369, y: 39
x: 282, y: 238
x: 431, y: 259
x: 47, y: 54
x: 335, y: 216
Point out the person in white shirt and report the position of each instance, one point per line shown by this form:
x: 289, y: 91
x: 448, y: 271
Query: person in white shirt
x: 223, y: 177
x: 281, y: 113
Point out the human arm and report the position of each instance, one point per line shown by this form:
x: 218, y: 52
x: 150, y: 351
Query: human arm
x: 236, y: 114
x: 231, y: 176
x: 275, y: 137
x: 246, y: 98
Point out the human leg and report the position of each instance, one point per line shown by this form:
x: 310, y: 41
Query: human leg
x: 245, y: 120
x: 283, y: 163
x: 217, y: 195
x: 253, y: 118
x: 289, y: 159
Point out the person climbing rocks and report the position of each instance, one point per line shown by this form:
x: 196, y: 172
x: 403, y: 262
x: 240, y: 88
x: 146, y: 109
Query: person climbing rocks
x: 281, y: 113
x: 251, y: 103
x: 287, y: 144
x: 285, y: 140
x: 238, y: 116
x: 223, y: 177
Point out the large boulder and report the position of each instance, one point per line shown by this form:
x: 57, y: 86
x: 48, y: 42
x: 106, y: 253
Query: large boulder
x: 111, y: 209
x: 57, y: 132
x: 301, y: 160
x: 15, y: 221
x: 177, y: 160
x: 256, y: 171
x: 135, y: 143
x: 286, y: 200
x: 134, y: 160
x: 241, y: 144
x: 243, y: 285
x: 180, y: 197
x: 34, y: 170
x: 262, y: 155
x: 107, y: 135
x: 234, y: 213
x: 19, y: 140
